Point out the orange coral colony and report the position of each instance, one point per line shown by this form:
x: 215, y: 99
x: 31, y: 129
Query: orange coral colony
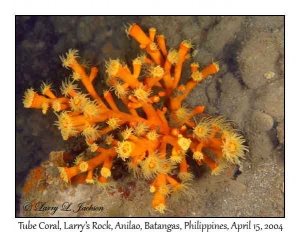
x: 156, y: 133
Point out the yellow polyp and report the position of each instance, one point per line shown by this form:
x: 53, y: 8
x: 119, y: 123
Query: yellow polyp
x: 222, y: 165
x: 167, y: 166
x: 112, y: 67
x: 109, y: 139
x: 105, y: 172
x: 78, y: 102
x: 151, y: 166
x: 56, y: 105
x: 28, y: 97
x: 120, y: 90
x: 195, y: 64
x: 183, y: 189
x: 90, y: 181
x: 76, y: 76
x: 152, y: 135
x: 181, y: 113
x: 153, y: 47
x: 94, y: 147
x: 141, y: 93
x: 216, y: 65
x: 160, y: 208
x: 63, y: 174
x: 65, y: 125
x: 233, y: 148
x: 198, y: 155
x: 173, y: 56
x: 183, y: 142
x: 126, y: 133
x: 197, y: 76
x: 91, y: 109
x: 124, y: 149
x: 67, y: 60
x: 185, y: 176
x: 91, y: 133
x: 152, y: 189
x: 45, y: 107
x: 139, y: 60
x: 165, y: 189
x: 45, y: 87
x: 78, y: 160
x: 156, y: 71
x: 141, y: 128
x: 68, y: 87
x: 203, y: 129
x: 83, y: 166
x: 176, y: 157
x: 187, y: 43
x: 113, y: 123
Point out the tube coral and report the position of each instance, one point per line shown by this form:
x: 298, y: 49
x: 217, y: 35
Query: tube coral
x: 155, y: 119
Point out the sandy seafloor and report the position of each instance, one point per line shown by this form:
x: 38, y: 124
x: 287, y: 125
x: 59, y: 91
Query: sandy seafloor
x: 249, y: 89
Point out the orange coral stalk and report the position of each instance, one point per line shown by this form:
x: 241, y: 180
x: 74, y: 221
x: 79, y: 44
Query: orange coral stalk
x: 127, y: 77
x: 209, y: 70
x: 93, y: 74
x: 72, y: 93
x: 161, y: 114
x: 137, y: 33
x: 79, y: 179
x: 176, y: 102
x: 155, y: 54
x: 162, y: 93
x: 170, y: 140
x: 148, y: 61
x: 217, y: 151
x: 211, y: 163
x: 110, y: 100
x: 183, y: 167
x: 197, y: 110
x: 137, y: 66
x: 34, y: 100
x: 172, y: 181
x: 184, y: 48
x: 162, y: 150
x: 66, y: 173
x: 132, y: 105
x: 49, y: 94
x: 174, y: 132
x: 99, y: 159
x: 159, y: 200
x: 194, y: 67
x: 214, y: 143
x: 161, y: 41
x: 85, y: 79
x: 89, y: 177
x: 152, y: 33
x: 154, y: 99
x: 102, y: 179
x: 151, y: 113
x: 61, y: 107
x: 153, y: 81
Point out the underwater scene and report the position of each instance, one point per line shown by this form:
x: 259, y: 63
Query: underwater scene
x: 159, y: 116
